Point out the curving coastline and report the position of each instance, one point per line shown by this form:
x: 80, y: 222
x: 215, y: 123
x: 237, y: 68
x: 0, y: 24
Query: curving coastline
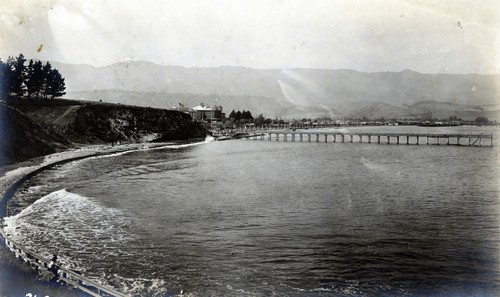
x: 21, y: 277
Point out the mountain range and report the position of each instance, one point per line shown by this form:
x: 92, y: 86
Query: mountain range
x: 288, y: 93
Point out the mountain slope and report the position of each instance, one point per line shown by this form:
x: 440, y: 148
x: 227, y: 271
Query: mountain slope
x: 285, y: 92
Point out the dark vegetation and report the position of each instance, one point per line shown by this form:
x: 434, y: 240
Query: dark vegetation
x: 482, y: 121
x: 239, y: 119
x: 34, y: 80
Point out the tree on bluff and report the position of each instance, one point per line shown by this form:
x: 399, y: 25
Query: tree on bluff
x: 36, y: 79
x: 5, y: 77
x: 17, y: 75
x: 54, y: 82
x: 32, y: 81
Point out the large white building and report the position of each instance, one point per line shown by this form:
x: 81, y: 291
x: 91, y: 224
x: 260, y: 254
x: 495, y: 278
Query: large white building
x: 207, y: 113
x: 202, y: 112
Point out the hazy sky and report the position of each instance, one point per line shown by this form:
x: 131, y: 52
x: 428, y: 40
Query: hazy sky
x: 454, y: 36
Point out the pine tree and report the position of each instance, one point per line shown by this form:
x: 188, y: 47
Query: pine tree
x: 34, y: 78
x: 246, y: 115
x: 38, y: 77
x: 18, y: 75
x: 29, y: 80
x: 47, y: 81
x: 57, y: 86
x: 5, y: 77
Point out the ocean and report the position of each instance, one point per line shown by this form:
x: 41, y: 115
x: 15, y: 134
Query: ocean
x: 266, y: 218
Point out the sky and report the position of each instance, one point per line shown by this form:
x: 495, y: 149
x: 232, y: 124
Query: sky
x: 442, y: 36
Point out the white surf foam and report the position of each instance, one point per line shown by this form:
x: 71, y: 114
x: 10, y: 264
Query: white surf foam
x: 82, y: 233
x: 208, y: 139
x: 144, y: 147
x: 137, y: 286
x: 68, y: 224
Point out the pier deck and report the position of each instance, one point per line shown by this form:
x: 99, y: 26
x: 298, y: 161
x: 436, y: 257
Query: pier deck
x: 467, y: 139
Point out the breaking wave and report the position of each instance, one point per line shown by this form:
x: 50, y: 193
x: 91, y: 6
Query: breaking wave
x: 57, y: 222
x: 80, y: 232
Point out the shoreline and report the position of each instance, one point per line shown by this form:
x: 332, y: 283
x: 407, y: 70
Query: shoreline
x: 18, y: 279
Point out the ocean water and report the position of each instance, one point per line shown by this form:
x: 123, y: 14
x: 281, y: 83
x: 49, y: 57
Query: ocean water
x: 260, y: 218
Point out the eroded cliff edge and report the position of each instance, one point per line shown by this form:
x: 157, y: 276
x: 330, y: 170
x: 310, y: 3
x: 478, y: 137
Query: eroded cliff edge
x: 32, y: 128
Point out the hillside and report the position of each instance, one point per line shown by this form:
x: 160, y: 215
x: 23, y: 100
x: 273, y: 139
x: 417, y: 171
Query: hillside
x: 22, y: 138
x: 32, y: 128
x: 278, y: 92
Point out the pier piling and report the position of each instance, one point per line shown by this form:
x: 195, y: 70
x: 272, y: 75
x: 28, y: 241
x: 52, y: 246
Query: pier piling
x: 477, y: 140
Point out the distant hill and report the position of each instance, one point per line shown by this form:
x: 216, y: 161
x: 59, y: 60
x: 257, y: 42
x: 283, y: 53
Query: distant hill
x: 285, y: 93
x: 379, y: 110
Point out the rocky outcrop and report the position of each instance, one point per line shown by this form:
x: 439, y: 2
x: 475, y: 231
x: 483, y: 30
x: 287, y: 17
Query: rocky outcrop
x: 110, y: 123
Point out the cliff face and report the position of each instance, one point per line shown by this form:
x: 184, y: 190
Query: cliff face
x: 111, y: 123
x: 32, y: 128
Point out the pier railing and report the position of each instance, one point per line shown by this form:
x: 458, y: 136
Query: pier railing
x: 70, y: 277
x: 462, y: 139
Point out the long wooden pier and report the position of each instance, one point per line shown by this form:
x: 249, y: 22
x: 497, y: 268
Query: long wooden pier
x: 481, y: 139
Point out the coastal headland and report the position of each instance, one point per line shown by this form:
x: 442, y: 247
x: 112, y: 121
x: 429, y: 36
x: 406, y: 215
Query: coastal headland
x: 33, y: 128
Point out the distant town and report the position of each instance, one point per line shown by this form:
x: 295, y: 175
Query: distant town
x: 214, y: 118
